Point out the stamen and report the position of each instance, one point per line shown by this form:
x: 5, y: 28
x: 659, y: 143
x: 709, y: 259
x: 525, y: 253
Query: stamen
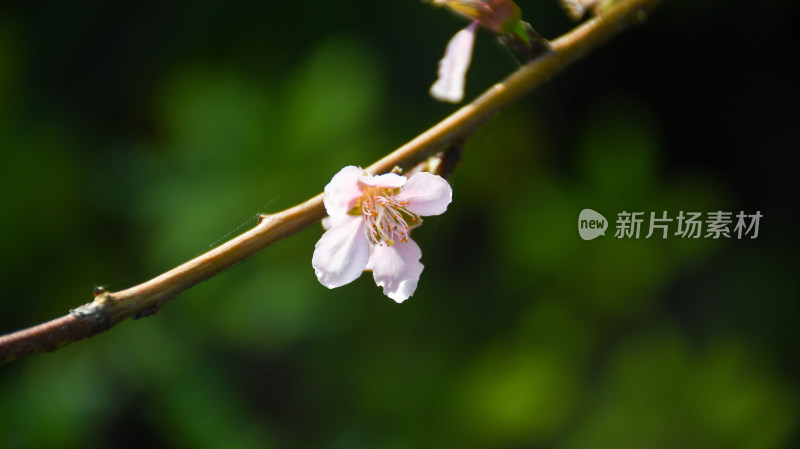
x: 388, y: 220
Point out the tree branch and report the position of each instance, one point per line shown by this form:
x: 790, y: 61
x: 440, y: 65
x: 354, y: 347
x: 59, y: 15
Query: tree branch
x: 109, y: 308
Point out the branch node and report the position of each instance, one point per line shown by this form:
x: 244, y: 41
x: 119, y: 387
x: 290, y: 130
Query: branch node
x: 94, y: 314
x: 261, y: 217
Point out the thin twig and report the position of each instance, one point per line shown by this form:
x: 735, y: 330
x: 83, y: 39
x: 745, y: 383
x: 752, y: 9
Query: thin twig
x: 109, y: 308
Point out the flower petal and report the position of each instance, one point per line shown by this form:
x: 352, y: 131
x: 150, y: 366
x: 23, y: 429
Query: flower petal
x: 453, y: 67
x: 343, y: 191
x: 388, y: 180
x: 332, y: 221
x: 396, y: 268
x: 369, y: 261
x: 342, y: 253
x: 427, y: 194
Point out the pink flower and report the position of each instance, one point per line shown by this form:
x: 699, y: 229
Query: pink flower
x: 498, y: 16
x: 369, y: 222
x: 502, y: 17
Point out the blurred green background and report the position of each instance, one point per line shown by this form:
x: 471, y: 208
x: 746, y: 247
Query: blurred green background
x: 137, y: 134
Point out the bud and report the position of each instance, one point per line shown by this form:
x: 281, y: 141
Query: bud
x: 499, y: 16
x: 504, y: 18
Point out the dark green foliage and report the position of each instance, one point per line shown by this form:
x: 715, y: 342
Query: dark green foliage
x: 135, y: 135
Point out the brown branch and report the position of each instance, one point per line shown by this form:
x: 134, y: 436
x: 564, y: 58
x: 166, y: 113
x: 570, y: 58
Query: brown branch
x: 109, y: 308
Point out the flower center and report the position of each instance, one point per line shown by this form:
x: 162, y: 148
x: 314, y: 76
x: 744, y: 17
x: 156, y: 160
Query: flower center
x: 388, y: 220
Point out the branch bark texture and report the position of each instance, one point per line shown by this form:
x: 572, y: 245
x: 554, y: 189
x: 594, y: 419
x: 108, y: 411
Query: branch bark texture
x: 109, y: 308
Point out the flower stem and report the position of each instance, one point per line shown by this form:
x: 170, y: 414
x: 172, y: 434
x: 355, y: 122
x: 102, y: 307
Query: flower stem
x: 109, y: 308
